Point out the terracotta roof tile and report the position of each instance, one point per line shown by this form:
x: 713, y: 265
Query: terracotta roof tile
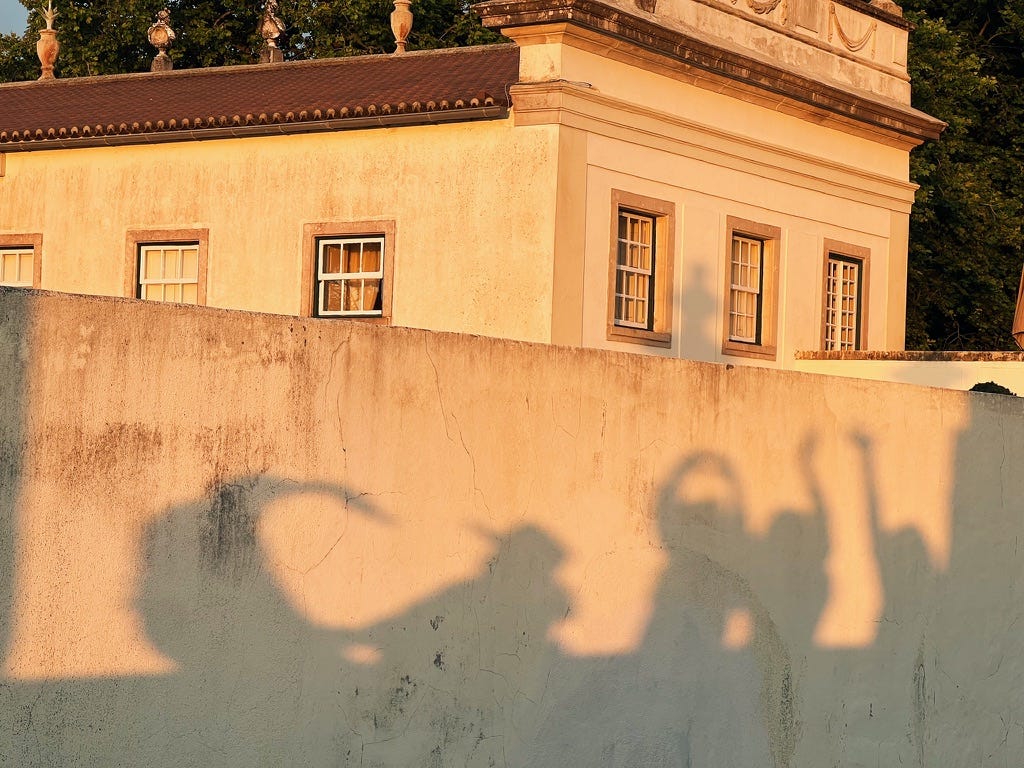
x: 424, y: 82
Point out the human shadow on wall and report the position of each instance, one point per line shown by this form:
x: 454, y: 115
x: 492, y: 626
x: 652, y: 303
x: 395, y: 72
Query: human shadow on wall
x: 724, y: 674
x: 969, y: 682
x: 257, y: 684
x: 712, y: 682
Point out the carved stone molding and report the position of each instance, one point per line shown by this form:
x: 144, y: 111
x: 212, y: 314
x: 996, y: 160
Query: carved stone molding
x: 761, y: 6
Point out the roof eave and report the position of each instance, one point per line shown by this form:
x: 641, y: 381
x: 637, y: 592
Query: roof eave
x: 468, y: 114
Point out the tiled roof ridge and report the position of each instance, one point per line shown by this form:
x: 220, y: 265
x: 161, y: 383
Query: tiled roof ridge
x: 249, y: 68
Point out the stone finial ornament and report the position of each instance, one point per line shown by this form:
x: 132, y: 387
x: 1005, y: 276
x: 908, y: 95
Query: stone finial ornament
x: 161, y: 36
x: 401, y: 24
x: 271, y: 28
x: 47, y: 47
x: 888, y: 6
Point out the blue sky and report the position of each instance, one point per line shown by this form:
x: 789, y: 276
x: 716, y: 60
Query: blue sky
x: 12, y: 16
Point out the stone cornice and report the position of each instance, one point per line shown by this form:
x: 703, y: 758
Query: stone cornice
x: 690, y: 52
x: 586, y: 109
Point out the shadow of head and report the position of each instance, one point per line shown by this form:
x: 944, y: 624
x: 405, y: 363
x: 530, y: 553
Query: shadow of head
x: 701, y: 492
x: 206, y: 584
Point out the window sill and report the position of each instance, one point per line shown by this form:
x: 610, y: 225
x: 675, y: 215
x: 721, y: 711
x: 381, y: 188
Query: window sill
x: 742, y: 349
x: 370, y: 319
x: 638, y: 336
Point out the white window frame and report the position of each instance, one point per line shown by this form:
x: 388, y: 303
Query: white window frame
x: 845, y: 284
x: 754, y: 248
x: 18, y: 280
x: 766, y: 239
x: 645, y: 275
x: 23, y: 244
x: 180, y: 247
x: 344, y: 278
x: 656, y: 330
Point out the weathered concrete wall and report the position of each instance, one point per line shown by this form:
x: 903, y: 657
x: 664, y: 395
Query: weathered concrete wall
x: 245, y: 540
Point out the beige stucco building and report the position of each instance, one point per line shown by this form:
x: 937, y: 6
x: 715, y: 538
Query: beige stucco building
x: 721, y: 180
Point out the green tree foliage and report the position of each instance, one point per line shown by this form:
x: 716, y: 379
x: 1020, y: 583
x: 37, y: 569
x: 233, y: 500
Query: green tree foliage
x: 966, y: 251
x: 100, y: 37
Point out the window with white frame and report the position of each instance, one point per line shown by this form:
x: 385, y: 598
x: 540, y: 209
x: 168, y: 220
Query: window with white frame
x: 169, y: 272
x: 640, y: 269
x: 350, y: 276
x: 751, y: 288
x: 844, y: 279
x: 634, y: 271
x: 17, y: 266
x: 745, y: 289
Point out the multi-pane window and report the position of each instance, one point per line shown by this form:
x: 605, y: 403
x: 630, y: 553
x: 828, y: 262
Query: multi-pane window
x: 746, y: 284
x: 17, y: 266
x: 634, y: 271
x: 169, y: 272
x: 350, y: 276
x: 751, y: 288
x: 843, y: 289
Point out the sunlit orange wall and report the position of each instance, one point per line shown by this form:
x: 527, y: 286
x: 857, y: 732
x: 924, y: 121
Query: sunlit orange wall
x: 199, y: 495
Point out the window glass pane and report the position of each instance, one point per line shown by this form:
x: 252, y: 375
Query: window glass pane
x: 25, y: 273
x: 352, y: 262
x: 332, y: 294
x: 353, y: 295
x: 151, y: 264
x: 190, y: 293
x: 331, y: 259
x: 371, y: 257
x: 171, y: 259
x: 372, y: 295
x: 190, y: 263
x: 9, y: 268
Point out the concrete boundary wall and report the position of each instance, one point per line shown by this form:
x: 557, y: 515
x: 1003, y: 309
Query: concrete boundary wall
x: 246, y: 540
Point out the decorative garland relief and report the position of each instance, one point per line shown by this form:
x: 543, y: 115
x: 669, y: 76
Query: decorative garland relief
x: 850, y: 43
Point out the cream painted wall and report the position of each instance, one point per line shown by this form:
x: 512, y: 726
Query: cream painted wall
x: 243, y: 540
x: 473, y: 206
x: 726, y: 111
x: 706, y: 193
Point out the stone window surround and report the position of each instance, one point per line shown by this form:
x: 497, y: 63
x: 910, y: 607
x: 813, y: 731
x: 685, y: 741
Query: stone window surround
x: 664, y: 214
x: 139, y: 237
x: 33, y: 241
x: 771, y: 238
x: 858, y: 253
x: 312, y: 232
